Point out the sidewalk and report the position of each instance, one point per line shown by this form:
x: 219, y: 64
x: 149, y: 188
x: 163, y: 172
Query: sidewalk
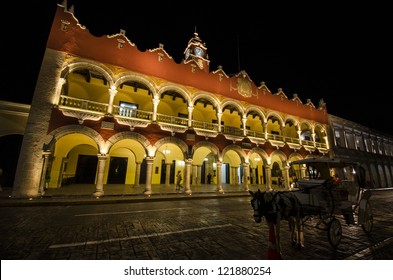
x: 120, y: 193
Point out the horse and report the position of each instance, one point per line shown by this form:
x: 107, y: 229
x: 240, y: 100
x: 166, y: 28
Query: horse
x: 277, y: 206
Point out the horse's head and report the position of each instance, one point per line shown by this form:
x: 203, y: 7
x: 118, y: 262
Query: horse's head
x: 257, y: 204
x: 262, y: 203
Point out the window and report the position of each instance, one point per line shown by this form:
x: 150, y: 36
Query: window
x: 127, y: 109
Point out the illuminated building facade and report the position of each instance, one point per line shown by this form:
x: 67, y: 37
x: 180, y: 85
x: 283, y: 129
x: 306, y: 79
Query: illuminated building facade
x: 105, y: 113
x: 372, y: 149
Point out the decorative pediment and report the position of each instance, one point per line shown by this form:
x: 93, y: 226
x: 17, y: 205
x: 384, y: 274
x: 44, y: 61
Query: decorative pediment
x: 220, y: 72
x: 262, y: 87
x: 121, y: 37
x: 310, y: 104
x: 160, y: 49
x: 281, y: 94
x: 296, y: 99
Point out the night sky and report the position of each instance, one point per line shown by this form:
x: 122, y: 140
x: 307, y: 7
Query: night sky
x: 340, y: 54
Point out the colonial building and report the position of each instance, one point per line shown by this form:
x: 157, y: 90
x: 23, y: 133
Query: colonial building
x: 105, y: 113
x: 372, y: 149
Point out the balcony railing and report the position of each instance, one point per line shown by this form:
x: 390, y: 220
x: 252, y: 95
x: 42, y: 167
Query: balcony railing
x: 161, y: 118
x: 146, y: 116
x: 256, y: 134
x: 131, y: 113
x: 275, y: 137
x: 82, y: 104
x: 232, y: 130
x: 205, y: 125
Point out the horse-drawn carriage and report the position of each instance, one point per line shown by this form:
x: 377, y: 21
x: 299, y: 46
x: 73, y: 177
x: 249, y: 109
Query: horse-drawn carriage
x: 324, y: 196
x: 317, y: 199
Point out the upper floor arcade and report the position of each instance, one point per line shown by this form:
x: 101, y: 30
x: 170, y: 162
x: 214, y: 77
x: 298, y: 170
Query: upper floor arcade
x: 90, y: 91
x: 118, y: 63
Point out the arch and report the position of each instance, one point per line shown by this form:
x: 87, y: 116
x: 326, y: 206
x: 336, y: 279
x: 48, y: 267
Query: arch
x: 273, y: 115
x: 87, y: 64
x: 171, y: 87
x: 256, y: 109
x: 292, y: 120
x: 231, y: 102
x: 262, y: 153
x: 129, y: 135
x: 212, y: 147
x: 178, y: 142
x: 130, y: 76
x: 208, y: 97
x: 75, y: 129
x: 237, y: 149
x: 281, y: 155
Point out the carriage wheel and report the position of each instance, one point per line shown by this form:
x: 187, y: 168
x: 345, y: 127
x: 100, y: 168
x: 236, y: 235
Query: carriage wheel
x: 368, y: 219
x: 334, y: 232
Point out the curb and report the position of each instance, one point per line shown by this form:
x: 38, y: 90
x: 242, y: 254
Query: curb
x: 108, y: 199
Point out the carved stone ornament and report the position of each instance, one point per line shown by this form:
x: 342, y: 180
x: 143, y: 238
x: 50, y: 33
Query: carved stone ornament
x: 244, y: 87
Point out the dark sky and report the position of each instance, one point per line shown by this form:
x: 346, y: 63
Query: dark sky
x: 340, y: 54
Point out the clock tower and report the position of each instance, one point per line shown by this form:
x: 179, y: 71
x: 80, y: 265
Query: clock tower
x: 195, y: 53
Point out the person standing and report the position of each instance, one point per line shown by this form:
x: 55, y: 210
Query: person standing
x: 178, y: 181
x: 209, y: 178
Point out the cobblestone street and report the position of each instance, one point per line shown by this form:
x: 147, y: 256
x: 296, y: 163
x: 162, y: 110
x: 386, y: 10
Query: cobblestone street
x: 186, y: 229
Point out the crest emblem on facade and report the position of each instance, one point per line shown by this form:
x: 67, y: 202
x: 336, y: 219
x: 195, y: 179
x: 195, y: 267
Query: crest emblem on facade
x: 244, y: 86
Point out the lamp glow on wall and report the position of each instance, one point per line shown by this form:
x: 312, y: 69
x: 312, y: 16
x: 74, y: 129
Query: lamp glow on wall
x: 166, y: 151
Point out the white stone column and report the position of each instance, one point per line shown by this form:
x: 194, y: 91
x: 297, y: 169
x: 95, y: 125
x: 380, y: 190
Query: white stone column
x: 149, y: 173
x: 325, y: 140
x: 112, y: 93
x: 268, y: 172
x: 188, y: 176
x: 219, y: 116
x: 155, y: 105
x: 313, y: 138
x: 100, y: 176
x: 190, y: 109
x: 167, y: 174
x: 302, y: 172
x: 137, y: 174
x: 286, y: 177
x: 219, y: 179
x: 45, y: 155
x: 246, y: 174
x: 265, y: 129
x: 244, y: 121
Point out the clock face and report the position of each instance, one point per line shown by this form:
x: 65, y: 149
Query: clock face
x: 198, y: 51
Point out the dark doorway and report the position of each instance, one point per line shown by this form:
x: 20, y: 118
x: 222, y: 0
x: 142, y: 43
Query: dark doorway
x: 173, y: 169
x: 9, y: 149
x: 142, y: 175
x: 227, y: 178
x: 257, y: 176
x: 163, y: 172
x: 86, y: 169
x: 203, y: 173
x: 117, y: 170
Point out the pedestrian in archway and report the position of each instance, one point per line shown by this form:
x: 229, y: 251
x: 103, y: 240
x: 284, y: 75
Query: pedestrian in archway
x: 178, y: 181
x: 209, y: 178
